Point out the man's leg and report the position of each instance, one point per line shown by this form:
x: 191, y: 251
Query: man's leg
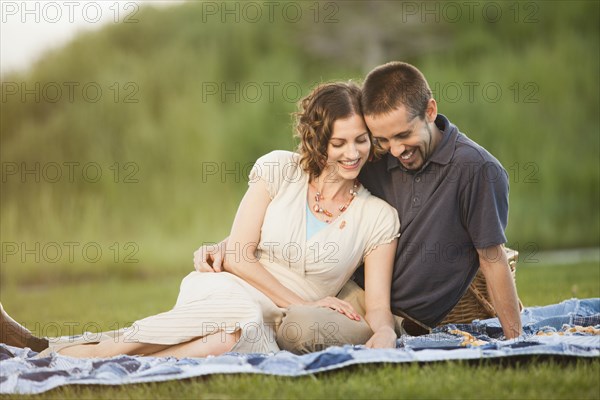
x: 14, y: 334
x: 306, y: 329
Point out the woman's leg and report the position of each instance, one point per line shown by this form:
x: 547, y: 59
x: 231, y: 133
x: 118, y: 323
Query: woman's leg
x: 211, y: 345
x: 110, y: 348
x: 214, y: 344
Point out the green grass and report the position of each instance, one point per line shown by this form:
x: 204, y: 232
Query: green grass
x: 94, y: 304
x: 541, y: 285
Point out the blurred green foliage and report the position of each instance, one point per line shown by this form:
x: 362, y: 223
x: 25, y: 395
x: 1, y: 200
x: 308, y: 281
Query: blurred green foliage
x: 211, y: 94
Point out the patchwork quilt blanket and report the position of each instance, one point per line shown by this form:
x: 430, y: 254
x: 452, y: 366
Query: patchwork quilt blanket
x: 567, y: 329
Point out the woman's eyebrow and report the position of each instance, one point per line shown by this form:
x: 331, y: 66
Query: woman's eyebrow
x: 343, y: 140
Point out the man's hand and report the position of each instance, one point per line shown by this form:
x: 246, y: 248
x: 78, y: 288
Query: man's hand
x: 209, y: 258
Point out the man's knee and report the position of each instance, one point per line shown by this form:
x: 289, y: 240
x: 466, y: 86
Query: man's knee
x: 306, y: 329
x: 296, y: 331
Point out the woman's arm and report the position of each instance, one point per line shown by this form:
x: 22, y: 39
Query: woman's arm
x: 378, y: 283
x: 240, y: 259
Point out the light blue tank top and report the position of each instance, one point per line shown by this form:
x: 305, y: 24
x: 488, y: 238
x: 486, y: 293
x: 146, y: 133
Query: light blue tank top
x: 313, y: 224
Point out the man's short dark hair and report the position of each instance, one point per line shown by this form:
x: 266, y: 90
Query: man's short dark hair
x: 391, y: 85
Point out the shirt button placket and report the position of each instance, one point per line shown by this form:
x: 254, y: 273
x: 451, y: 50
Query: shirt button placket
x: 416, y: 200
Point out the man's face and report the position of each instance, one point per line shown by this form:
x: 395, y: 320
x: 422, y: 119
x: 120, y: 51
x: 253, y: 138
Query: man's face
x: 411, y: 141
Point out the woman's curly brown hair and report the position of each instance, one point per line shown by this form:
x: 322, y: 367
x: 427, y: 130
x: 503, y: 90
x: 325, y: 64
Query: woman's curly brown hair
x: 318, y: 111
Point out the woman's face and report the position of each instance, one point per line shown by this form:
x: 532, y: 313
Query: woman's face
x: 348, y: 149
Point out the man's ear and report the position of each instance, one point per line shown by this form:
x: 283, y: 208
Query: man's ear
x: 431, y: 112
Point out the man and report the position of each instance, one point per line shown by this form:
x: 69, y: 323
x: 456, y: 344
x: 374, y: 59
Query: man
x: 452, y: 198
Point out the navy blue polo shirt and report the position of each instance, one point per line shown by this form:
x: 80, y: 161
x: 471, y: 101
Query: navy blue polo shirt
x: 457, y: 202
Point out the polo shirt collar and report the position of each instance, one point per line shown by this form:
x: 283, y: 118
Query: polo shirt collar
x: 445, y: 150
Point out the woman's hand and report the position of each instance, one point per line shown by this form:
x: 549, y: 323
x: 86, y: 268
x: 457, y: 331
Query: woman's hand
x: 384, y: 338
x: 341, y: 306
x: 209, y: 258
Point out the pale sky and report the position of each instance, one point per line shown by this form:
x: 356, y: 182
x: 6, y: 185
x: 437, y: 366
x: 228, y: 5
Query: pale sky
x: 29, y: 28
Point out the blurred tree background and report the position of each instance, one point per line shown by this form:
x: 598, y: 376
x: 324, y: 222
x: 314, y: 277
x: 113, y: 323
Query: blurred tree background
x: 192, y: 94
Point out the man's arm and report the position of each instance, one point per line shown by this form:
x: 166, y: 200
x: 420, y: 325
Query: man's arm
x: 501, y: 288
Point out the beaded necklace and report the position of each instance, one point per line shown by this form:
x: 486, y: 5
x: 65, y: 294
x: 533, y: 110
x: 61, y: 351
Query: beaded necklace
x: 318, y: 197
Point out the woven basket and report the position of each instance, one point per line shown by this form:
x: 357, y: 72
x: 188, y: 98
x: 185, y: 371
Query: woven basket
x: 476, y: 303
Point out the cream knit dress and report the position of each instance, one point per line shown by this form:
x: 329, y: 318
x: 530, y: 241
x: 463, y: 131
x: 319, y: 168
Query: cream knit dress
x: 315, y: 268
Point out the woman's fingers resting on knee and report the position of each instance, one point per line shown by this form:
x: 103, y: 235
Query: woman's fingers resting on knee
x: 208, y: 258
x: 341, y: 306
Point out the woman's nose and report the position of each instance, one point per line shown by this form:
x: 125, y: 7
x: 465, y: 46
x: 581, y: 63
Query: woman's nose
x: 351, y: 152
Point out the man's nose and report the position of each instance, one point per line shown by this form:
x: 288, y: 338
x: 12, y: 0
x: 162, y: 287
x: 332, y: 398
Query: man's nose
x: 397, y: 149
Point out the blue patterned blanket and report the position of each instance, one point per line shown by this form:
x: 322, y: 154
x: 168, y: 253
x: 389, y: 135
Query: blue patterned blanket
x: 567, y: 329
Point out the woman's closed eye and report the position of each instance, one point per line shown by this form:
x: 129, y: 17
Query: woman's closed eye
x: 338, y: 145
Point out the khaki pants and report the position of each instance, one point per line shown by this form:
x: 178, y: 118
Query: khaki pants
x: 306, y: 329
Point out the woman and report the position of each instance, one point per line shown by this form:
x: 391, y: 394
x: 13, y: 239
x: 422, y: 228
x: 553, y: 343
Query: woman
x: 302, y: 228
